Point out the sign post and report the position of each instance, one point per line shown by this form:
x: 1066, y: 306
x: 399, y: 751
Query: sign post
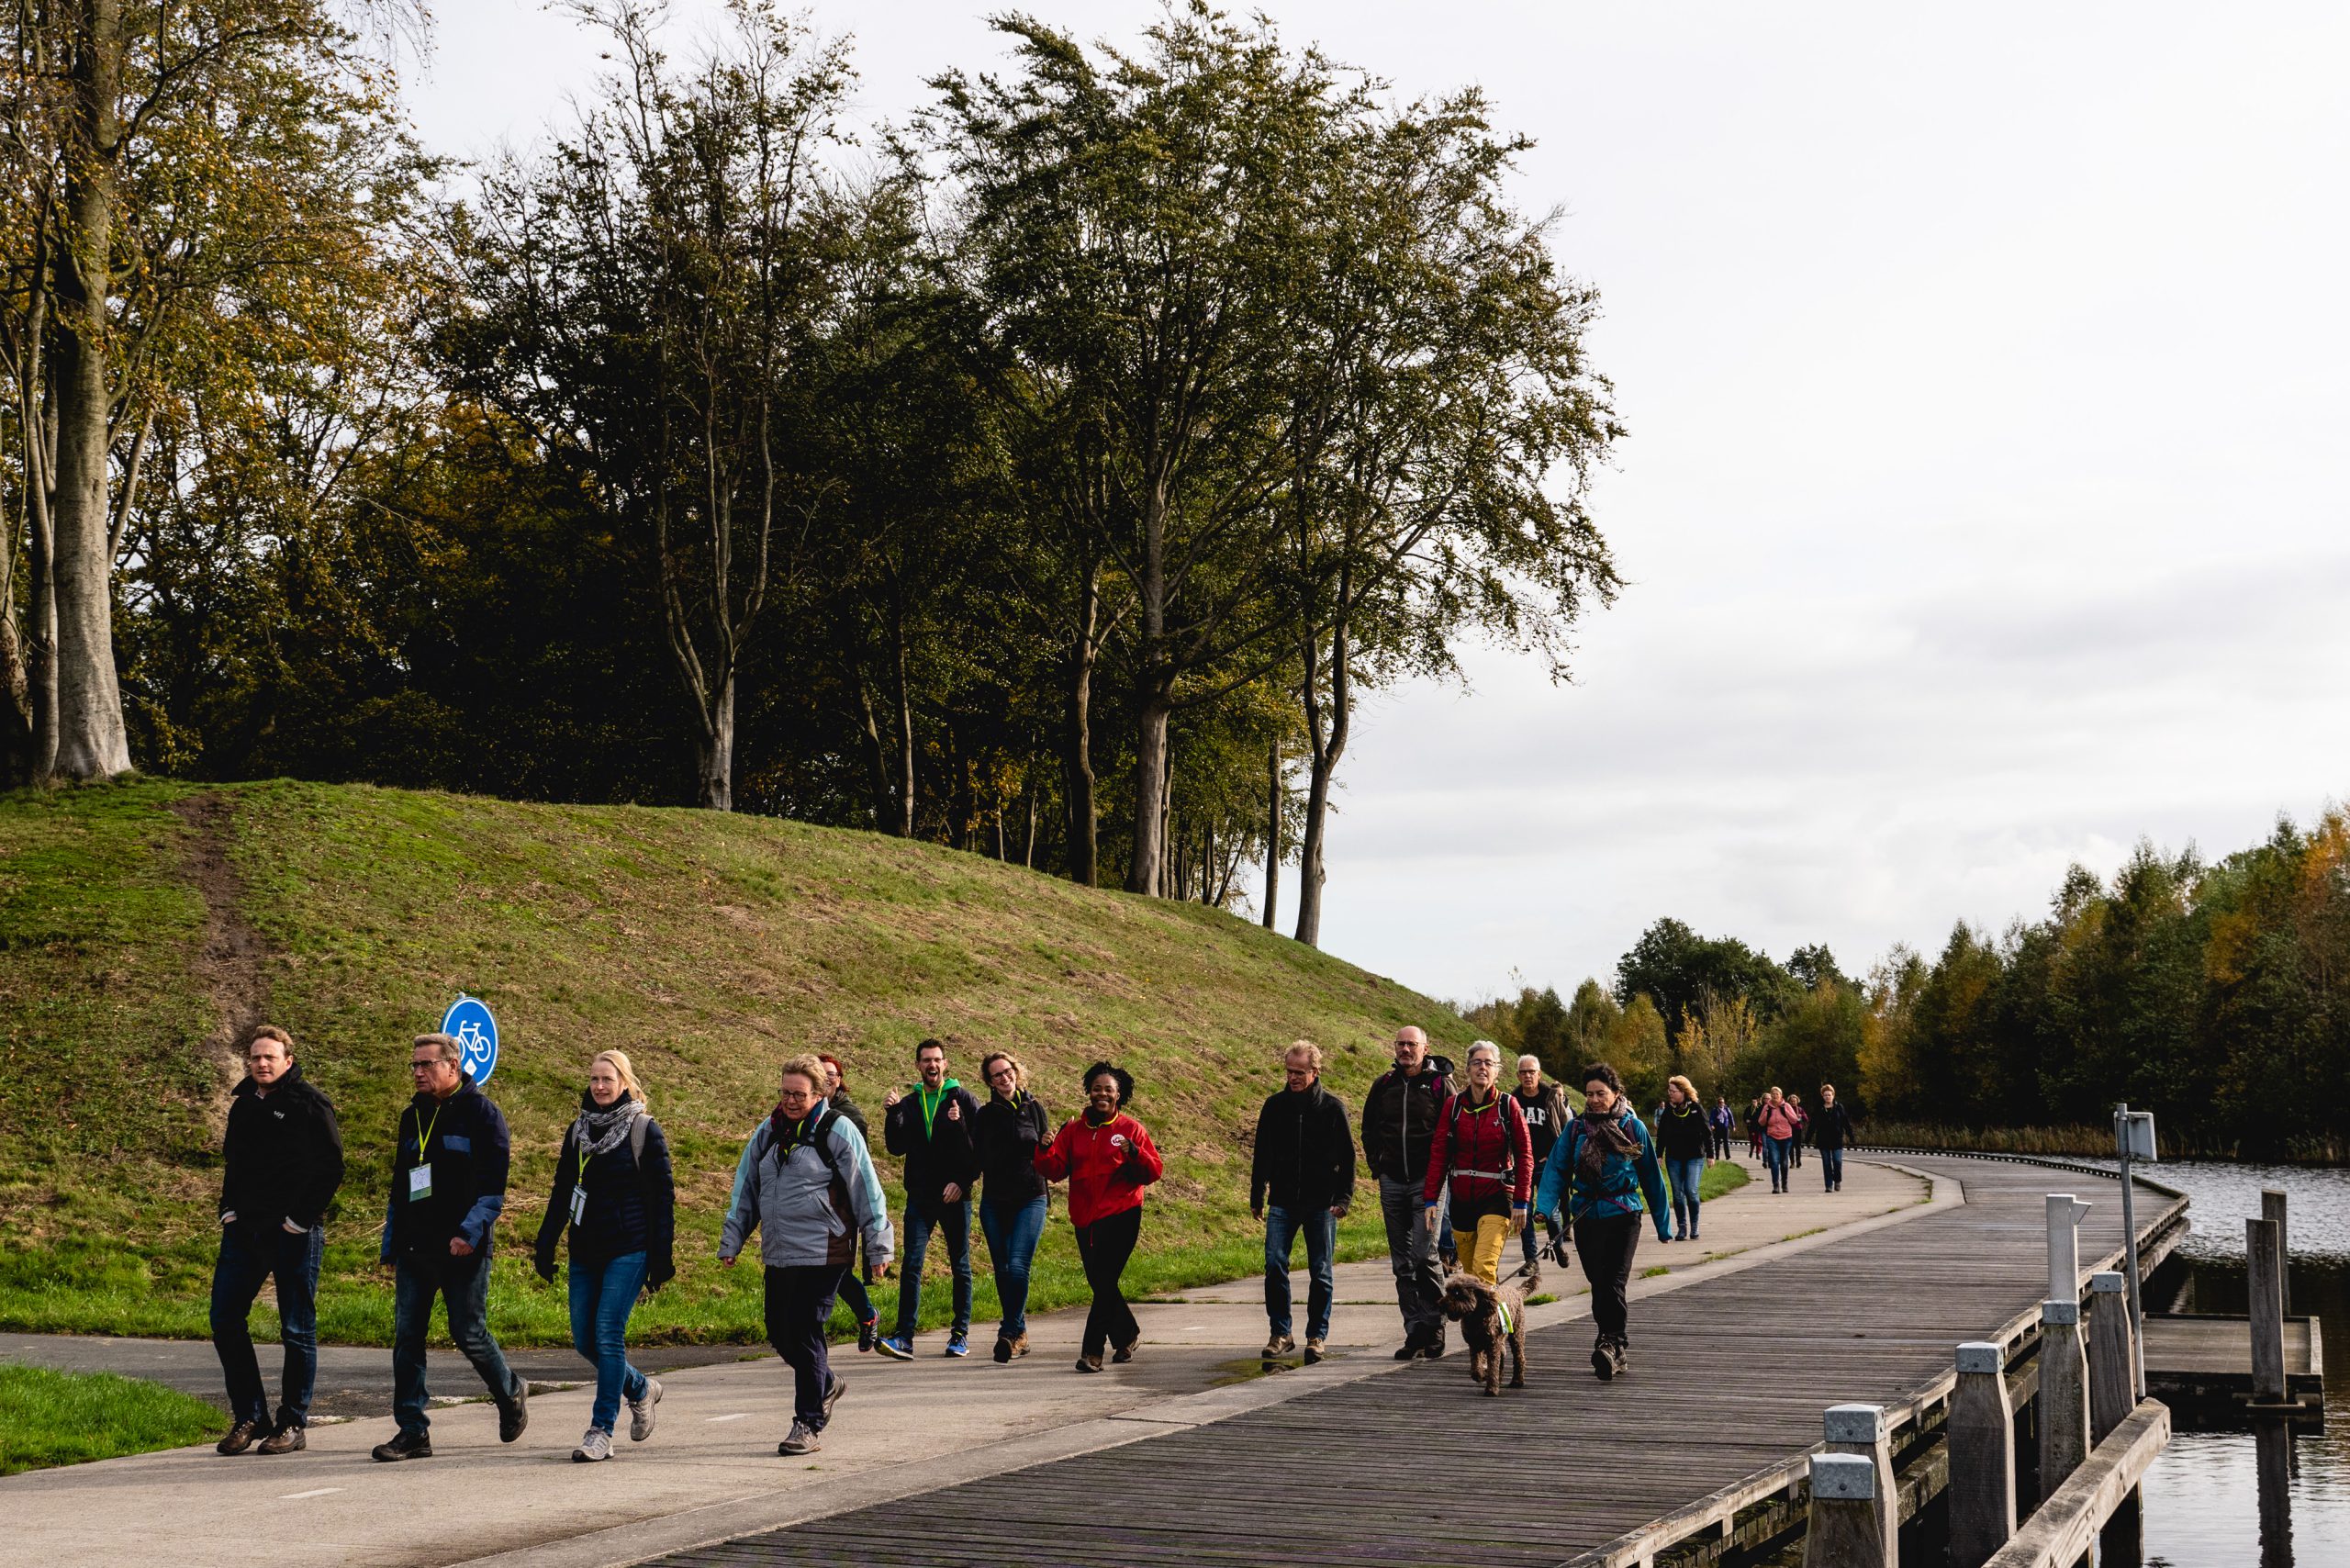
x: 468, y: 1019
x: 2133, y: 1136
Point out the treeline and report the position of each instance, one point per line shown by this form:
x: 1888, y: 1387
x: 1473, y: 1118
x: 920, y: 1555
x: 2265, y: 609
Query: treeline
x: 2217, y: 995
x: 1048, y: 476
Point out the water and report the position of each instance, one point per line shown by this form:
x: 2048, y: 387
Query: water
x: 2202, y: 1496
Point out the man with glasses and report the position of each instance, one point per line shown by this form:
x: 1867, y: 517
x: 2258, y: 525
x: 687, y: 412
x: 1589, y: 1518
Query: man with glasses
x: 1399, y: 1118
x: 1304, y: 1160
x: 282, y: 1161
x: 448, y: 1188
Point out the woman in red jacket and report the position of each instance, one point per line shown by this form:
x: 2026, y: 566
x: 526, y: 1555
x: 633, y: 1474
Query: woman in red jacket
x: 1481, y: 1147
x: 1107, y: 1158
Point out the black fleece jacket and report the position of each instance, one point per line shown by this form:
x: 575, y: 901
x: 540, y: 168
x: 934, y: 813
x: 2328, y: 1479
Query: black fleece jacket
x: 1010, y: 1134
x: 1306, y: 1152
x: 629, y: 1208
x: 944, y: 1152
x: 282, y: 1154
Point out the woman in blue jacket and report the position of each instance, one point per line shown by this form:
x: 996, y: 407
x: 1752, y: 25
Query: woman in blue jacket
x: 1605, y: 1166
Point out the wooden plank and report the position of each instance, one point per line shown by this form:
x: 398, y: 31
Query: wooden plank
x: 2060, y: 1530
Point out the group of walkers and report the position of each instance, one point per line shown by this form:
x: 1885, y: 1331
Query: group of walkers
x: 1470, y: 1163
x: 1777, y: 1128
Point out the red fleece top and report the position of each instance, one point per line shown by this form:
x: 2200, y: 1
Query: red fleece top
x: 1486, y: 1139
x: 1102, y: 1179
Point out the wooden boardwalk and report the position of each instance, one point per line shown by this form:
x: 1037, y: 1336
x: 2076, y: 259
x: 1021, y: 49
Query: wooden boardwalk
x: 1417, y: 1466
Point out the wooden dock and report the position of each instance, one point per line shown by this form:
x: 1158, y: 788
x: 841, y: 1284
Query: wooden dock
x: 2201, y: 1366
x: 1415, y: 1465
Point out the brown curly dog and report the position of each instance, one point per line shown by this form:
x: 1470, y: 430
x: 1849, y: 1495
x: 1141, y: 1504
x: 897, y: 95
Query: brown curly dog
x: 1489, y: 1318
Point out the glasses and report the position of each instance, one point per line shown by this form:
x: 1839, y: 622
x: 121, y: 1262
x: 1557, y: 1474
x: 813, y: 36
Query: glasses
x: 424, y: 1066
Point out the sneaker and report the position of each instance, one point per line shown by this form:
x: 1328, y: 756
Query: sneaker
x: 1622, y: 1352
x: 958, y: 1345
x: 1278, y: 1345
x: 868, y: 1334
x: 801, y: 1440
x: 1314, y: 1351
x: 239, y: 1438
x: 1125, y: 1352
x: 404, y: 1446
x: 1534, y: 1275
x: 1092, y: 1363
x: 597, y: 1445
x: 512, y: 1419
x: 1603, y: 1360
x: 897, y: 1347
x: 287, y: 1439
x: 640, y: 1411
x: 832, y: 1391
x: 1002, y: 1349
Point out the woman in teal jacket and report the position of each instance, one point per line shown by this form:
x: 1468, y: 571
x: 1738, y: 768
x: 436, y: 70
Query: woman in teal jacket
x: 1605, y: 1166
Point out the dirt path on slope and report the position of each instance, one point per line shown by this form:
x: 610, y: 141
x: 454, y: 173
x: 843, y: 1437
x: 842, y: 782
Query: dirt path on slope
x: 232, y: 965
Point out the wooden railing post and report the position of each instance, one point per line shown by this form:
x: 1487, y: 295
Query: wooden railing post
x: 2272, y: 1207
x: 2112, y: 1374
x: 1860, y: 1430
x: 1843, y: 1531
x: 2265, y: 1272
x: 2064, y: 1398
x: 1981, y: 1433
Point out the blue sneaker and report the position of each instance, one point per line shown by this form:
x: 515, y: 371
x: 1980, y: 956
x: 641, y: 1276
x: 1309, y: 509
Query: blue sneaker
x: 897, y: 1347
x: 958, y: 1345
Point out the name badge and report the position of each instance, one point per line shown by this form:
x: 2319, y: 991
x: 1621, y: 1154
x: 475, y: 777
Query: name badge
x: 579, y: 1205
x: 419, y: 1183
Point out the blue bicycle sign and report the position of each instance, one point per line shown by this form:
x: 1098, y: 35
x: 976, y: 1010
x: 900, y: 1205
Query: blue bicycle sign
x: 469, y: 1020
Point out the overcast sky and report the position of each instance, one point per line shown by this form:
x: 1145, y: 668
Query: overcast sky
x: 1987, y: 375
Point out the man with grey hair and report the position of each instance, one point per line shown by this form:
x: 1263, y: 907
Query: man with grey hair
x: 1399, y: 1119
x: 1304, y: 1161
x: 1544, y: 1105
x: 448, y: 1162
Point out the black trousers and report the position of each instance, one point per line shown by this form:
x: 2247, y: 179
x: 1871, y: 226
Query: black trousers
x: 1104, y: 1246
x: 798, y: 1300
x: 1605, y: 1248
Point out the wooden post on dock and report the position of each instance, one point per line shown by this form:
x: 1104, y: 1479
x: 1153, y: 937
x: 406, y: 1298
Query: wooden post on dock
x: 1843, y: 1531
x: 2063, y: 1399
x: 2272, y: 1206
x: 1860, y: 1430
x: 1981, y: 1433
x: 2265, y: 1272
x: 2112, y: 1364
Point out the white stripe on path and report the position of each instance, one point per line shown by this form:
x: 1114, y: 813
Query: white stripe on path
x: 317, y: 1491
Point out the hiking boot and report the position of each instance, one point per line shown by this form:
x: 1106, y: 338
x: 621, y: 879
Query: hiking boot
x: 239, y: 1438
x: 801, y: 1440
x: 868, y: 1334
x: 596, y: 1446
x: 897, y: 1347
x: 1410, y: 1349
x: 512, y: 1419
x: 832, y: 1391
x: 640, y: 1411
x: 1623, y: 1354
x: 1433, y: 1349
x: 1314, y: 1351
x: 287, y: 1439
x: 1002, y: 1349
x: 1603, y: 1361
x: 1534, y: 1275
x: 1091, y: 1362
x: 958, y: 1345
x: 1125, y: 1352
x: 404, y: 1445
x: 1278, y: 1345
x: 1019, y: 1345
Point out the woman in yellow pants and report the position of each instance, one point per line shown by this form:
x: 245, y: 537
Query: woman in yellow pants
x: 1483, y: 1149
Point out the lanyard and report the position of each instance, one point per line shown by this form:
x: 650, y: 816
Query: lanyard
x: 424, y: 1130
x: 929, y: 1106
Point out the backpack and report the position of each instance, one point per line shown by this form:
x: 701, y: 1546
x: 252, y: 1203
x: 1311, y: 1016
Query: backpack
x: 1509, y: 1146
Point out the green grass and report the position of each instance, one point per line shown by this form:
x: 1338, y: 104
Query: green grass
x: 54, y: 1418
x: 707, y: 945
x: 1721, y: 1176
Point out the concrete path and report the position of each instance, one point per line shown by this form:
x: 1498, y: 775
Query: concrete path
x: 711, y: 1471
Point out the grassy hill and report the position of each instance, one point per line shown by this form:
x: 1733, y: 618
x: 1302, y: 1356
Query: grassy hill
x: 144, y: 925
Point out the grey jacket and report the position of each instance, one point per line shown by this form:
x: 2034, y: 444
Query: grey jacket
x: 794, y: 1207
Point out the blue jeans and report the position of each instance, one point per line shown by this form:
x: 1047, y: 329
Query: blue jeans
x: 1831, y: 1167
x: 601, y: 1298
x: 463, y: 1283
x: 1774, y: 1159
x: 1283, y: 1227
x: 1012, y: 1231
x: 249, y: 1255
x: 954, y: 1220
x: 1684, y: 1175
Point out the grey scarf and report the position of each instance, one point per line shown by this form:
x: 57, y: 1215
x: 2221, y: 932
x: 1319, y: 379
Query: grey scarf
x: 600, y: 1132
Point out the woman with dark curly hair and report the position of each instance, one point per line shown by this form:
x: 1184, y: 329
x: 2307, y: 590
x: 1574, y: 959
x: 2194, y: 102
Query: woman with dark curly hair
x: 1107, y: 1158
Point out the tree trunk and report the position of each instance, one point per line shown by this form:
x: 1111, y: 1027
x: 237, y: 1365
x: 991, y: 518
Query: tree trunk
x: 1273, y: 830
x: 91, y: 740
x: 1327, y: 742
x: 905, y: 722
x: 877, y: 756
x: 715, y: 751
x: 1143, y: 875
x: 1084, y: 838
x: 1029, y: 858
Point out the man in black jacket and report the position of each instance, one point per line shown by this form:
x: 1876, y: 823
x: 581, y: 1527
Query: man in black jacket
x: 1398, y: 1123
x: 448, y: 1164
x: 282, y: 1162
x: 1304, y: 1160
x: 1832, y: 1129
x: 931, y: 1129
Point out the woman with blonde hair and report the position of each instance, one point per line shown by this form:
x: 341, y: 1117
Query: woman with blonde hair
x: 615, y: 1196
x: 1009, y: 1128
x: 1686, y: 1140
